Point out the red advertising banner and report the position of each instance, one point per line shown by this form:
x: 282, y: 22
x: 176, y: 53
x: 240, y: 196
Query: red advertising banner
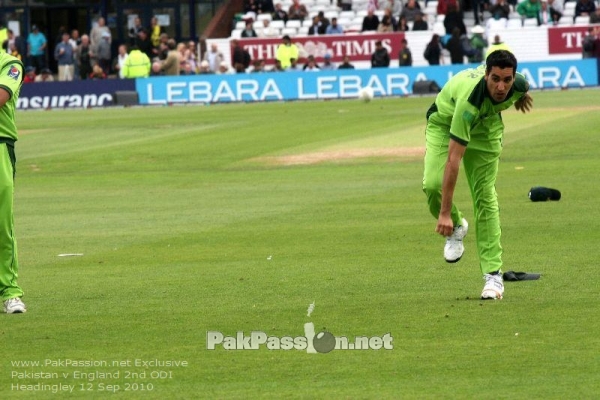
x: 358, y: 47
x: 565, y: 40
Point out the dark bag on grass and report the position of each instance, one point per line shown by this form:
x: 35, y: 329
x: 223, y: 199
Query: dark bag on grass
x: 540, y: 193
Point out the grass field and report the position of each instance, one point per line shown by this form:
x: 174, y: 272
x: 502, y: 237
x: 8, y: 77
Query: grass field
x: 237, y: 217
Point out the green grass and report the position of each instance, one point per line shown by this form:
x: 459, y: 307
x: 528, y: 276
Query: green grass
x: 185, y: 228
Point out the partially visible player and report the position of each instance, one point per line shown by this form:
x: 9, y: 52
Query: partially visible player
x: 11, y: 78
x: 465, y: 124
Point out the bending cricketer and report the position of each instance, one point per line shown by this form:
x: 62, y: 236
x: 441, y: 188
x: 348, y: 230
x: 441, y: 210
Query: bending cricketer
x: 465, y: 124
x: 11, y: 77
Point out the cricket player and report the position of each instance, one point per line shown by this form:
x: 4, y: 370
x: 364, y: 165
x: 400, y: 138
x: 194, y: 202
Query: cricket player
x: 11, y: 77
x: 465, y: 124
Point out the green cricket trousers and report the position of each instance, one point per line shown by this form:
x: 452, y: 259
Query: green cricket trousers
x: 8, y: 245
x: 480, y: 163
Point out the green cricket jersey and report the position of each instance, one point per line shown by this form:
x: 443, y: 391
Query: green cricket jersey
x: 11, y: 77
x: 465, y: 110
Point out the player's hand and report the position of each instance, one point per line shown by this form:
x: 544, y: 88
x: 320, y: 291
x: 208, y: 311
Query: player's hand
x: 445, y: 226
x: 525, y: 103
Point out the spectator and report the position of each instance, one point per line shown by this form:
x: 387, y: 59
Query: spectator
x: 156, y: 68
x: 500, y: 10
x: 188, y: 70
x: 63, y: 54
x: 420, y: 24
x: 214, y: 57
x: 479, y: 6
x: 315, y: 28
x: 442, y: 6
x: 137, y: 64
x: 370, y: 21
x: 380, y: 57
x: 96, y: 34
x: 293, y: 65
x: 395, y: 6
x: 120, y: 60
x: 36, y: 48
x: 12, y: 50
x: 478, y: 44
x: 498, y: 44
x: 556, y: 10
x: 103, y: 57
x: 191, y: 57
x: 588, y: 44
x: 286, y: 52
x: 144, y: 44
x: 277, y: 67
x: 155, y: 32
x: 454, y: 46
x: 97, y: 72
x: 162, y: 50
x: 258, y: 66
x: 454, y: 19
x: 19, y: 43
x: 297, y: 11
x: 530, y: 9
x: 240, y: 57
x: 265, y: 6
x: 45, y: 76
x: 403, y: 24
x: 249, y: 32
x: 224, y: 69
x: 134, y: 30
x: 172, y: 65
x: 75, y: 41
x: 311, y: 64
x: 29, y: 75
x: 267, y: 31
x: 204, y: 68
x: 83, y: 57
x: 388, y: 12
x: 584, y: 8
x: 345, y: 5
x: 280, y: 14
x: 346, y: 63
x: 433, y: 51
x: 334, y: 28
x: 327, y: 64
x: 595, y: 17
x: 410, y: 10
x: 405, y: 56
x: 385, y: 26
x: 323, y: 20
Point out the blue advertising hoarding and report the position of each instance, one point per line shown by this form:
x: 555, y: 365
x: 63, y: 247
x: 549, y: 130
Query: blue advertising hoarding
x: 280, y: 86
x: 300, y: 85
x: 75, y: 94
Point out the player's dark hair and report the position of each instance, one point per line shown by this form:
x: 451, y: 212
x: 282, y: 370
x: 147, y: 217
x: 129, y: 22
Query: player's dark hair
x: 502, y: 59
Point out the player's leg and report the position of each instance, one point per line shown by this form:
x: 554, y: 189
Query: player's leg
x: 9, y: 289
x: 481, y: 169
x: 436, y: 156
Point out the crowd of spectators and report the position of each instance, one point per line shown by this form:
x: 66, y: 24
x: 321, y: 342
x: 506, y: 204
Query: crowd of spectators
x: 147, y: 51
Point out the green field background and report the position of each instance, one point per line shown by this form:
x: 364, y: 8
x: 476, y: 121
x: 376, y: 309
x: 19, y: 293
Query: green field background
x: 199, y: 218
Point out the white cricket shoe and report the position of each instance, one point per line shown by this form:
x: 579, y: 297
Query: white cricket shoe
x: 494, y: 286
x: 14, y: 306
x: 454, y: 249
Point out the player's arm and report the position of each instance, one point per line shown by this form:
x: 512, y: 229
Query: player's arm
x: 524, y: 104
x: 456, y: 150
x: 4, y: 96
x: 525, y: 101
